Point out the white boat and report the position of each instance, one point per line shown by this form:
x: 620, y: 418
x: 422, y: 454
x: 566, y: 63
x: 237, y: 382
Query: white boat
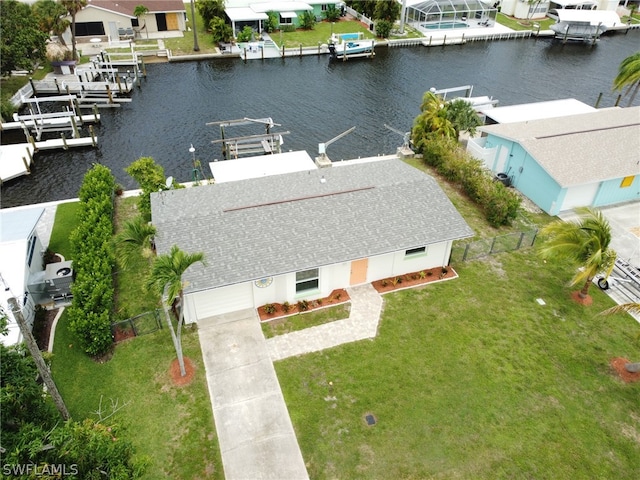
x: 349, y: 45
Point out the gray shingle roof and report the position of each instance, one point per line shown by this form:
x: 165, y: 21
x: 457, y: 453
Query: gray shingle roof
x: 580, y: 149
x: 267, y: 226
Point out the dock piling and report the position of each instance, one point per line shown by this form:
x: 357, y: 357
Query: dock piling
x: 64, y: 141
x: 93, y: 135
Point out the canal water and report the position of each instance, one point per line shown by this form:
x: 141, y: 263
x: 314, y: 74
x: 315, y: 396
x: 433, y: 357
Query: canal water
x: 316, y: 100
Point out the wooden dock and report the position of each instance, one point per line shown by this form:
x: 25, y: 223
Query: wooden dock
x: 16, y: 159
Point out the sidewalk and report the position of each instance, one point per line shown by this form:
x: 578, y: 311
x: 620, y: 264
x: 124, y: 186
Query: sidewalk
x: 366, y: 307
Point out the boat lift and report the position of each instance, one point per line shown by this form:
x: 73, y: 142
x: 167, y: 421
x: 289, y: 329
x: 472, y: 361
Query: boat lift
x: 267, y: 143
x: 39, y: 122
x: 322, y: 160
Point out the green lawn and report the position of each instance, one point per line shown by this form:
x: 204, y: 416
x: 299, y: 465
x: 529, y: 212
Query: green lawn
x: 184, y: 45
x: 131, y: 298
x: 66, y: 220
x: 517, y: 24
x: 172, y: 426
x: 473, y: 378
x: 320, y: 34
x: 300, y: 321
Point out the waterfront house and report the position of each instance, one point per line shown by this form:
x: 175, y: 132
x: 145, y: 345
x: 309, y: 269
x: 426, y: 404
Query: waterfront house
x: 114, y: 20
x: 301, y: 235
x: 253, y: 13
x: 587, y: 159
x: 20, y: 259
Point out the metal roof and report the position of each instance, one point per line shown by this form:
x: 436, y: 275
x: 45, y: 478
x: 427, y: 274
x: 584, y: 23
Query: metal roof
x: 580, y: 149
x: 273, y: 225
x: 18, y: 225
x: 537, y: 111
x: 261, y: 166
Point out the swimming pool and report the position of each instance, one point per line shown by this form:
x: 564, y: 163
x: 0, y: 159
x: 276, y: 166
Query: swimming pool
x: 444, y: 25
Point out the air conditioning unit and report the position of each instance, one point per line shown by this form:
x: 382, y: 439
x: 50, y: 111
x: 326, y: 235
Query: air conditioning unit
x: 58, y: 278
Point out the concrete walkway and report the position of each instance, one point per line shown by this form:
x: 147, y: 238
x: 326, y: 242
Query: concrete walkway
x: 257, y: 440
x: 366, y: 307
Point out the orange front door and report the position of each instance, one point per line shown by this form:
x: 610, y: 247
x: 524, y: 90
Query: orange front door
x: 359, y: 271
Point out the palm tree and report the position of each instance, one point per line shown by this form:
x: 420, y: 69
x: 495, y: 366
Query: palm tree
x: 629, y: 76
x: 141, y: 11
x: 49, y: 14
x: 585, y: 243
x: 463, y: 117
x: 135, y: 239
x: 434, y: 118
x: 628, y: 308
x: 73, y: 7
x: 166, y: 280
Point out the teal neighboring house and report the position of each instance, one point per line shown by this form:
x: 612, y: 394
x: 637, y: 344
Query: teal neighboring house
x: 588, y: 159
x: 253, y: 13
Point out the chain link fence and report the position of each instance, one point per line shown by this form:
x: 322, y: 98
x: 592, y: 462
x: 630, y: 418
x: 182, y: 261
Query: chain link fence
x: 489, y: 246
x: 143, y: 324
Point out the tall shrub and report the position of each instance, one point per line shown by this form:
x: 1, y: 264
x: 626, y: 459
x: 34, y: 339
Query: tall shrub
x: 150, y: 177
x: 93, y: 262
x: 499, y: 203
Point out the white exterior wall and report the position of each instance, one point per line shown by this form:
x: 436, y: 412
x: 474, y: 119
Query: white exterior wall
x: 331, y: 277
x: 518, y: 9
x: 16, y: 277
x: 397, y: 263
x: 476, y: 148
x: 96, y: 15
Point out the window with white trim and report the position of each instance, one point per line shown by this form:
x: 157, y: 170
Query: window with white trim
x: 324, y: 7
x: 285, y: 21
x: 307, y: 280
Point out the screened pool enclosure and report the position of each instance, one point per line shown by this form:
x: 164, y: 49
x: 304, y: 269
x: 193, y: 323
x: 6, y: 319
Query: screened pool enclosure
x: 447, y: 14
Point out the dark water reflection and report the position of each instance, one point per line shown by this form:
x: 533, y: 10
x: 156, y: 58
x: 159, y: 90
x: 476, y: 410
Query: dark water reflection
x: 316, y: 100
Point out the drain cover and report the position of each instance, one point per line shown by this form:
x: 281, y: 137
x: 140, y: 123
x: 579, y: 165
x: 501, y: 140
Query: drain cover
x: 370, y: 419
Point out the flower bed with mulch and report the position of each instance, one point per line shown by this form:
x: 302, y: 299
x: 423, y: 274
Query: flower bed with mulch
x: 414, y: 279
x: 279, y: 310
x: 618, y: 365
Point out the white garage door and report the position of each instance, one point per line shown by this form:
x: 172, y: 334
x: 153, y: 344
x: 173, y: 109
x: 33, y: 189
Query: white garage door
x: 580, y: 196
x: 224, y: 300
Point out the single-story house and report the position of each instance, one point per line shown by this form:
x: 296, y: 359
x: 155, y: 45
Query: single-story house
x: 301, y: 235
x: 21, y: 254
x: 108, y: 18
x: 587, y: 159
x: 254, y: 12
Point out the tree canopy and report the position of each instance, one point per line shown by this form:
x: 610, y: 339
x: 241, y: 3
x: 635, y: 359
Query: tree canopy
x: 209, y: 9
x: 22, y: 42
x: 584, y: 243
x: 629, y: 76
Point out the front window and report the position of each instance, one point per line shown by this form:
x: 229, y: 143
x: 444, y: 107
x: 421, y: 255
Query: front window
x: 285, y: 21
x: 307, y: 280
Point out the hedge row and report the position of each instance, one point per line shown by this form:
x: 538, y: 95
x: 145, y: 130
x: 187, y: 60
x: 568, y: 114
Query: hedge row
x: 93, y: 262
x: 500, y: 204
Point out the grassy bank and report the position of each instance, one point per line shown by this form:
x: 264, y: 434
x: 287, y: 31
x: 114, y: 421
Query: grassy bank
x: 474, y: 379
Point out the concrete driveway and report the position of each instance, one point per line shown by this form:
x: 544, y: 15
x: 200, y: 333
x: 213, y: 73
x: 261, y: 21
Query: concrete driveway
x: 257, y: 440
